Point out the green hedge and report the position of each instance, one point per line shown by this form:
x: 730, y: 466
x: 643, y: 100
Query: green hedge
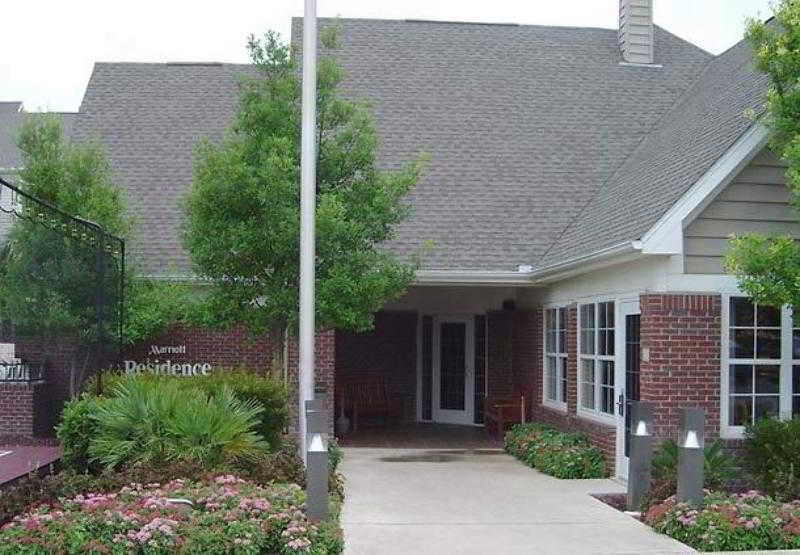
x: 559, y: 454
x: 772, y: 455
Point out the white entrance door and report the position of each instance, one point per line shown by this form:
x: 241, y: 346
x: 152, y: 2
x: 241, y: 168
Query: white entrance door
x: 626, y: 376
x: 453, y: 369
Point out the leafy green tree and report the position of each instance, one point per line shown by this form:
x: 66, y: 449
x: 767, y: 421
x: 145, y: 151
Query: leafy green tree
x: 767, y: 267
x: 242, y: 223
x: 49, y: 273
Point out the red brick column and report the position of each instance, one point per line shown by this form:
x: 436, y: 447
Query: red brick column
x: 22, y: 411
x: 680, y: 335
x: 500, y: 370
x: 325, y: 349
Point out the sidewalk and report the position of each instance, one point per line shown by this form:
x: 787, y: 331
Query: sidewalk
x: 19, y: 460
x: 417, y: 501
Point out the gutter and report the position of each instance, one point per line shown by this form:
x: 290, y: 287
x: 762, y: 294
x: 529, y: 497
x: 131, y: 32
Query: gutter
x: 471, y: 277
x: 608, y: 256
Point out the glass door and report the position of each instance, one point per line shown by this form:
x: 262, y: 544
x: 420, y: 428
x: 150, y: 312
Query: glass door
x: 628, y: 371
x: 454, y: 359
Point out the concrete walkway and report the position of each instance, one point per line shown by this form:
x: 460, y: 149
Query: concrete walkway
x: 417, y: 501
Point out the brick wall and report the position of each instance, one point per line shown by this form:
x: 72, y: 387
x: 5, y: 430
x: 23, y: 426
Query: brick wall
x: 500, y: 339
x: 325, y: 363
x: 226, y: 348
x: 682, y: 334
x: 23, y: 411
x: 389, y: 351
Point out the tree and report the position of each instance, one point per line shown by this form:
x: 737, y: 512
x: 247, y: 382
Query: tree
x: 767, y: 267
x: 49, y: 278
x: 242, y: 225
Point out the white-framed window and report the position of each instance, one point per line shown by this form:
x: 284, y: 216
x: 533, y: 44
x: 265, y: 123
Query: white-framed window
x: 761, y: 364
x: 596, y: 358
x: 555, y: 357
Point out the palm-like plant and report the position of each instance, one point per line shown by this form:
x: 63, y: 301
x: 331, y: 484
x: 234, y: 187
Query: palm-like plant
x: 157, y: 421
x: 216, y: 428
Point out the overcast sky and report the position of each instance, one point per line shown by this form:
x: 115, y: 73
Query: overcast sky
x: 49, y: 46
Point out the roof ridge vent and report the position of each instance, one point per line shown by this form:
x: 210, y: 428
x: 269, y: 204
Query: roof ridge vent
x: 443, y: 22
x: 210, y: 64
x: 636, y: 31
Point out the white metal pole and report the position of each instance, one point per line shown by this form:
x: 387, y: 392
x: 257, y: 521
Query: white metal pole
x: 308, y: 186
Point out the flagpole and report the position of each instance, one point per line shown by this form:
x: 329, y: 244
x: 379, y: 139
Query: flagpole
x: 308, y: 190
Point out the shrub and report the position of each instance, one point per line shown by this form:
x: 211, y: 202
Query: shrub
x: 718, y: 468
x: 227, y: 515
x: 148, y: 421
x: 559, y: 454
x: 247, y: 386
x: 772, y: 456
x: 748, y: 521
x: 76, y: 429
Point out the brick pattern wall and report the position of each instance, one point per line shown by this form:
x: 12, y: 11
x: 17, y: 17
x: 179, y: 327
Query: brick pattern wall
x: 389, y: 351
x: 325, y: 362
x: 226, y: 348
x: 602, y: 436
x: 22, y: 410
x: 500, y: 334
x: 682, y: 333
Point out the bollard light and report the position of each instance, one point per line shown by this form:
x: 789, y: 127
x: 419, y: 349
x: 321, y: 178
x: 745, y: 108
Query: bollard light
x: 317, y: 460
x: 691, y: 443
x: 641, y: 454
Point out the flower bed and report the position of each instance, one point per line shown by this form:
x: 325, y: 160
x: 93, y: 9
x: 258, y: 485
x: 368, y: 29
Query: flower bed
x: 226, y: 515
x: 558, y: 454
x: 736, y: 522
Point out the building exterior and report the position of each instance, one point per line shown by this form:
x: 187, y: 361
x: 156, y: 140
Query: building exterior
x: 582, y: 186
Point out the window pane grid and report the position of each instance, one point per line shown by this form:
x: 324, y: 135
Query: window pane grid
x: 555, y: 354
x: 597, y: 337
x: 756, y: 366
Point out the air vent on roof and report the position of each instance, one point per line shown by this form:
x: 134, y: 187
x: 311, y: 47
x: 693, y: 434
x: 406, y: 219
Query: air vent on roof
x: 194, y: 63
x: 460, y: 22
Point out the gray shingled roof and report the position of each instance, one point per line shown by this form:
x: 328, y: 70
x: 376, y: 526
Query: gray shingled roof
x: 692, y: 136
x: 149, y: 116
x: 528, y: 128
x: 11, y: 119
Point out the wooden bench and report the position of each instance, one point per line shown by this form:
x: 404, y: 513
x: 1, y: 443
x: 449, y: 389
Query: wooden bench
x: 503, y: 411
x: 373, y: 396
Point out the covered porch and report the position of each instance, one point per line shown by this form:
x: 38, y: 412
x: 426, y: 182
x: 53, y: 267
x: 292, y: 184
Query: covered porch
x: 422, y: 377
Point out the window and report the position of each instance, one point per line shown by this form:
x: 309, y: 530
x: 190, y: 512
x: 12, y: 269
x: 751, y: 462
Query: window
x: 596, y: 375
x: 555, y: 360
x: 763, y: 353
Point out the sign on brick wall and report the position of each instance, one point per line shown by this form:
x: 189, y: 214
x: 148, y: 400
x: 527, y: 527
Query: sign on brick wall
x: 174, y: 365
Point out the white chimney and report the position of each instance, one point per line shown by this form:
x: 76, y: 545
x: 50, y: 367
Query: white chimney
x: 636, y: 31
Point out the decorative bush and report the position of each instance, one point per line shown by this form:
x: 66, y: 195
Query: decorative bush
x: 76, y: 429
x: 226, y: 515
x: 772, y: 456
x: 559, y: 454
x: 149, y: 421
x: 718, y: 468
x: 748, y: 521
x: 247, y: 386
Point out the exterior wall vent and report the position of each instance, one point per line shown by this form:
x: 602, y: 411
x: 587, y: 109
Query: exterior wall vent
x: 636, y: 31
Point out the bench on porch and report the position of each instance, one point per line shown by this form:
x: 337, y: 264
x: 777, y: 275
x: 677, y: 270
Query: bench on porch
x: 369, y: 397
x: 503, y: 411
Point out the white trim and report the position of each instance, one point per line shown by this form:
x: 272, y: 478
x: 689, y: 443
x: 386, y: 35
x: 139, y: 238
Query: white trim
x: 786, y: 363
x: 585, y: 263
x: 560, y: 406
x: 471, y: 277
x: 666, y: 236
x: 419, y: 367
x: 625, y: 307
x: 595, y: 414
x: 467, y: 416
x: 634, y: 64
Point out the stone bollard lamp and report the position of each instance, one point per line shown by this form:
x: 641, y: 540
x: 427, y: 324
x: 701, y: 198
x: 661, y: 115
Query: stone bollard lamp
x: 317, y: 462
x: 691, y: 444
x: 641, y: 454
